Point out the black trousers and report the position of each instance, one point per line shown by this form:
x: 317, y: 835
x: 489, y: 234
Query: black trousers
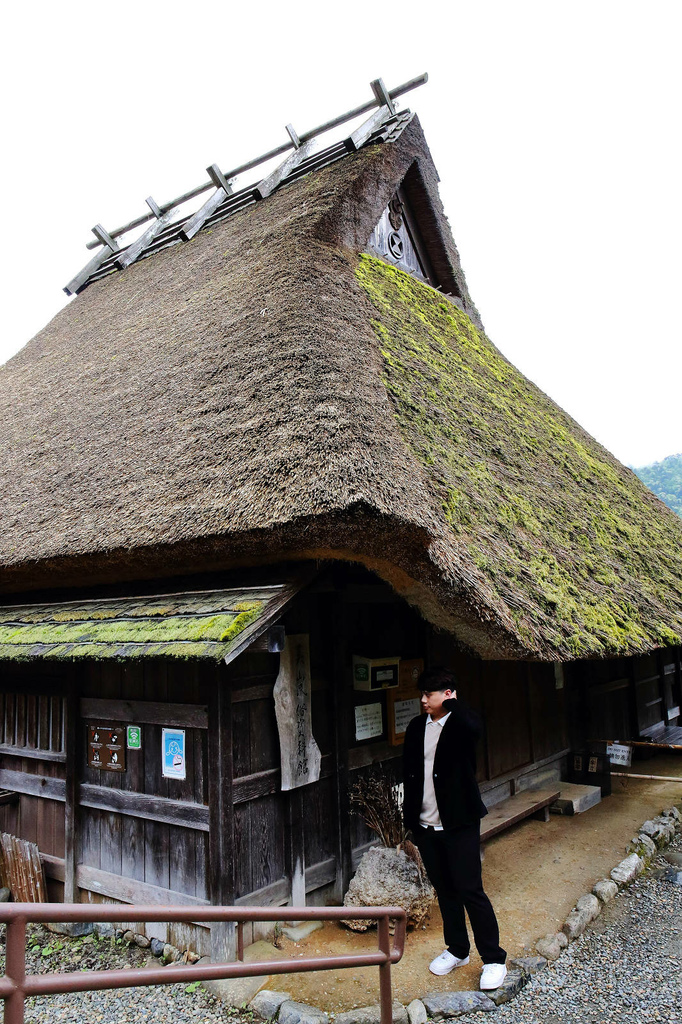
x: 452, y: 859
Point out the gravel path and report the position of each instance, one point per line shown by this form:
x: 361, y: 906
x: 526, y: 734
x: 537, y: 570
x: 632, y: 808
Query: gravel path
x: 626, y: 969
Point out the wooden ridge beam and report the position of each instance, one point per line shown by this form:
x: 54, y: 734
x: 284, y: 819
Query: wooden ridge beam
x: 335, y: 122
x: 302, y: 150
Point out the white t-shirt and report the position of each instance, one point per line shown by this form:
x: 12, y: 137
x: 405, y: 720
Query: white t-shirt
x: 429, y: 812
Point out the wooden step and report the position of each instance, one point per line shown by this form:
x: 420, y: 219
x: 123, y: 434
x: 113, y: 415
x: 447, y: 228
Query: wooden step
x: 516, y: 808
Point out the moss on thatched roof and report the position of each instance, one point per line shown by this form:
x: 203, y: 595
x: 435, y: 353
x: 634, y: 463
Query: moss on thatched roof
x: 263, y: 393
x: 562, y: 541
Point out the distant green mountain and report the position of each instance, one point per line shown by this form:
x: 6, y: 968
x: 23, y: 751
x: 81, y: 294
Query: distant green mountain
x: 665, y: 479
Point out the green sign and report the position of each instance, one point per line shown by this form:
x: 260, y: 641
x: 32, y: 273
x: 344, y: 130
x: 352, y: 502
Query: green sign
x: 134, y: 737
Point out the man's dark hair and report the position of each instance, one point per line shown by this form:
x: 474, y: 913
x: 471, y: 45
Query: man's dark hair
x: 437, y: 679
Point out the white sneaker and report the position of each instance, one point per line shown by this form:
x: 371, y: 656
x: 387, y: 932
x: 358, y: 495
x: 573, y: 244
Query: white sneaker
x: 446, y: 962
x: 492, y: 977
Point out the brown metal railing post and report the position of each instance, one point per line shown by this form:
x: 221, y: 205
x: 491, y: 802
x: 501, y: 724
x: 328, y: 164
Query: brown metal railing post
x: 15, y: 970
x: 240, y: 940
x: 385, y: 995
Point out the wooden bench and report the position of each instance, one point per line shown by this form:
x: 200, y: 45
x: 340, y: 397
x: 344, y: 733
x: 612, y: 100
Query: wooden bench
x: 531, y: 802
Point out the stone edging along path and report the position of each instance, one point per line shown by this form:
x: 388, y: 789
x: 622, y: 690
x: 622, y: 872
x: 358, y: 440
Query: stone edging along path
x: 653, y: 837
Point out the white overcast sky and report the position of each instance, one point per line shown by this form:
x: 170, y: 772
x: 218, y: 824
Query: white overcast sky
x: 555, y: 128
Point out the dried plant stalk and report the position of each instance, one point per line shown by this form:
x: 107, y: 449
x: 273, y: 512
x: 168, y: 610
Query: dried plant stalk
x: 376, y: 797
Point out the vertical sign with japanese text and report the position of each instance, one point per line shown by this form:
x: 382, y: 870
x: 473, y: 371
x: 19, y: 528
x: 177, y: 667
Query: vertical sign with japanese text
x: 300, y: 754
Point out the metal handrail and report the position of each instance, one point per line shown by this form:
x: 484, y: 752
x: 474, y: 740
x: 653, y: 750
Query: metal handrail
x: 15, y: 986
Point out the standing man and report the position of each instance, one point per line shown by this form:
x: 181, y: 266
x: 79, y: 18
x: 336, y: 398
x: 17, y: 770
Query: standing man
x: 443, y: 810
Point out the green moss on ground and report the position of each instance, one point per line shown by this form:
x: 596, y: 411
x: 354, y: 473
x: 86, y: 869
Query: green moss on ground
x: 566, y: 544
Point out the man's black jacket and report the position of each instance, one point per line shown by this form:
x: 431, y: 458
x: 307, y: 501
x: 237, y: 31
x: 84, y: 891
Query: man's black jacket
x: 454, y: 769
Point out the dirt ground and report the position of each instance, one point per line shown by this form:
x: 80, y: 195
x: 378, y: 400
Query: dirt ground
x: 533, y: 874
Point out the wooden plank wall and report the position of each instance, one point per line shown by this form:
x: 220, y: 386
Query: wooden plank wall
x: 259, y: 812
x: 271, y: 826
x: 625, y: 698
x: 158, y: 853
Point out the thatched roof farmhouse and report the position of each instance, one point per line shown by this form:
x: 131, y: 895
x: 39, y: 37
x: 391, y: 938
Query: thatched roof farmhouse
x: 286, y: 413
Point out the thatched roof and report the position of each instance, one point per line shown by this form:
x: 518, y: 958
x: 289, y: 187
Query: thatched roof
x: 264, y: 392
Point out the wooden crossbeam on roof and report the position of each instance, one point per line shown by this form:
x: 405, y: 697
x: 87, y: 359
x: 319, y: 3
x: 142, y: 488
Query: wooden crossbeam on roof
x: 293, y: 135
x: 219, y: 179
x: 88, y: 270
x: 197, y: 220
x: 154, y: 206
x: 109, y: 245
x: 268, y: 184
x: 103, y: 236
x: 131, y: 253
x: 383, y: 96
x: 360, y: 136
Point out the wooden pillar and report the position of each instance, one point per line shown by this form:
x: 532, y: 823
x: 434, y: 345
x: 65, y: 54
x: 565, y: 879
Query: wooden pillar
x: 221, y: 813
x: 73, y: 751
x: 341, y: 656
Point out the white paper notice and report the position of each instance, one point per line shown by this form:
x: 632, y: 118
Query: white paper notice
x: 369, y: 721
x: 404, y: 711
x: 619, y: 753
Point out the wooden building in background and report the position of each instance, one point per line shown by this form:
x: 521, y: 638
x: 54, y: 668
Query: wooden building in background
x: 267, y: 447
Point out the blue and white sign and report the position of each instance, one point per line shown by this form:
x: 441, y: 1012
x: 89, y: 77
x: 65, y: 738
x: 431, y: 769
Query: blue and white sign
x: 173, y: 763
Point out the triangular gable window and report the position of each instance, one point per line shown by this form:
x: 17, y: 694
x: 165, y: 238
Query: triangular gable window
x: 397, y: 240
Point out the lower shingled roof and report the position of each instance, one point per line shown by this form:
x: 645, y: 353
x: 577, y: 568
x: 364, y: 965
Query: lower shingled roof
x: 208, y: 624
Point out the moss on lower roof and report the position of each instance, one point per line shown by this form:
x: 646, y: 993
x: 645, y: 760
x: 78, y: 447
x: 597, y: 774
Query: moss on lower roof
x: 554, y: 535
x: 198, y: 626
